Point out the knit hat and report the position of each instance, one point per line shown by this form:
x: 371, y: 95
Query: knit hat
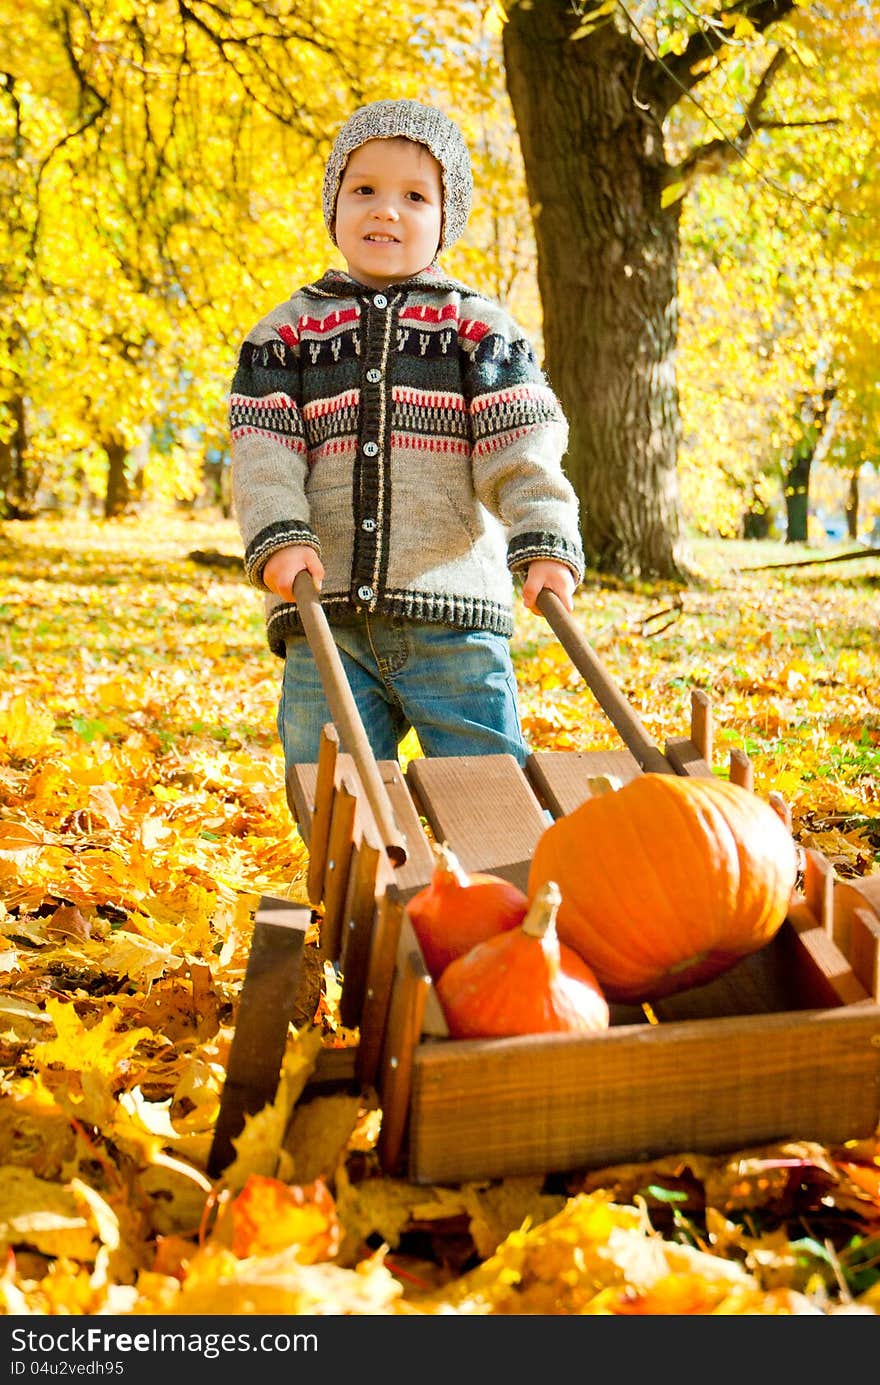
x: 406, y: 120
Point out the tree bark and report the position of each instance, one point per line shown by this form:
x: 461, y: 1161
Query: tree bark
x: 607, y: 262
x: 117, y: 494
x: 19, y: 483
x: 797, y: 494
x: 852, y: 506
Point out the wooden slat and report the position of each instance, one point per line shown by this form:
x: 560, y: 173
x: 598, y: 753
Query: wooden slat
x: 762, y: 983
x: 265, y: 1007
x: 487, y: 1109
x: 364, y: 877
x: 406, y: 1011
x: 741, y: 769
x: 820, y: 971
x: 380, y: 976
x: 685, y: 758
x: 702, y: 730
x: 780, y: 808
x: 483, y: 806
x: 416, y: 871
x: 433, y: 1021
x: 339, y: 851
x: 850, y: 896
x: 819, y: 889
x: 322, y: 813
x: 864, y: 950
x: 560, y: 778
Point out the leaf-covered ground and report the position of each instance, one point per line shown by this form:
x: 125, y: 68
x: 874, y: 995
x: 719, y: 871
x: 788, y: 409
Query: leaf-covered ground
x: 142, y: 814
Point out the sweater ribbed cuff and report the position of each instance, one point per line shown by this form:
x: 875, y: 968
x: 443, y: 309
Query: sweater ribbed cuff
x: 530, y: 548
x: 269, y: 540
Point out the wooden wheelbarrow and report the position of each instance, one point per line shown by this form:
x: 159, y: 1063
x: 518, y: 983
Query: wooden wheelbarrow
x: 785, y: 1044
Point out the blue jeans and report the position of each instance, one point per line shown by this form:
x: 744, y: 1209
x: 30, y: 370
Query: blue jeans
x: 455, y: 688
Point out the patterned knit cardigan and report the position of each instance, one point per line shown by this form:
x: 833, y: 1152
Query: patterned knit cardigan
x: 411, y: 439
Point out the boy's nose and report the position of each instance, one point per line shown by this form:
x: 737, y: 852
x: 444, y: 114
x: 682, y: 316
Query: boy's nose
x: 388, y: 213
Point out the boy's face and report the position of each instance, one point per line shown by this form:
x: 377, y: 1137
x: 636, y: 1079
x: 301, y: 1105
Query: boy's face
x: 389, y: 212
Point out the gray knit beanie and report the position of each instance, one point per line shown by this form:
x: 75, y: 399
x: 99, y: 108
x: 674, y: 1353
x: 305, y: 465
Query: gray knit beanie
x: 423, y: 124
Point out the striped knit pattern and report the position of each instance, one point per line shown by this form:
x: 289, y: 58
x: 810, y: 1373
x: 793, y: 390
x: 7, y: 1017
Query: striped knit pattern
x: 411, y: 438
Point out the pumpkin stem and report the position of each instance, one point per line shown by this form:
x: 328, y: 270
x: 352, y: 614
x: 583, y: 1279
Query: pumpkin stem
x: 540, y: 921
x: 446, y: 860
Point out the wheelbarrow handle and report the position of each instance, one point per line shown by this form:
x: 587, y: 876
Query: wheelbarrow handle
x: 612, y: 701
x: 345, y: 715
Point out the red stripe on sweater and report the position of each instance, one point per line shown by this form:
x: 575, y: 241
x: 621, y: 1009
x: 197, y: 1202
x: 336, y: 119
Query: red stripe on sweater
x: 511, y: 396
x: 318, y: 408
x: 414, y: 442
x: 293, y: 444
x: 427, y: 399
x: 425, y: 313
x: 473, y: 330
x: 329, y: 323
x: 288, y: 335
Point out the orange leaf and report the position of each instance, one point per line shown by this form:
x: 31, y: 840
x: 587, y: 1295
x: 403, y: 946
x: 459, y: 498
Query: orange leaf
x: 268, y: 1215
x: 864, y: 1177
x: 17, y: 836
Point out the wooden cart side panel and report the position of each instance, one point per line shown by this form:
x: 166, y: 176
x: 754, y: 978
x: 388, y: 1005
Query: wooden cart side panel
x: 302, y: 793
x: 366, y: 878
x: 506, y: 1107
x: 850, y: 897
x: 864, y: 939
x: 378, y: 986
x: 405, y: 1016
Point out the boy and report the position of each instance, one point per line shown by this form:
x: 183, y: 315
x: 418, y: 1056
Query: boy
x: 393, y: 435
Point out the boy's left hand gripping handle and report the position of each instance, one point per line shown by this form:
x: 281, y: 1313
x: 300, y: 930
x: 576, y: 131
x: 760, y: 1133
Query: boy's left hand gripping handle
x: 345, y: 714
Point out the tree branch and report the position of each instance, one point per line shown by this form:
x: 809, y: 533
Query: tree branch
x: 676, y: 75
x: 716, y: 154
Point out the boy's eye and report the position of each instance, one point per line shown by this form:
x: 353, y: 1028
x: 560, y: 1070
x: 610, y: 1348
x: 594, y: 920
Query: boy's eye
x: 415, y: 196
x: 363, y: 188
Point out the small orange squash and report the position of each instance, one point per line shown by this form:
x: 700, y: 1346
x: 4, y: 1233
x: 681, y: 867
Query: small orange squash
x: 667, y: 882
x: 457, y: 909
x: 523, y: 981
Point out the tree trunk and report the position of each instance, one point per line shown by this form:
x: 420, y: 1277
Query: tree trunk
x: 756, y: 522
x: 117, y: 494
x: 797, y: 494
x: 819, y: 417
x: 852, y: 506
x: 18, y: 484
x: 607, y: 257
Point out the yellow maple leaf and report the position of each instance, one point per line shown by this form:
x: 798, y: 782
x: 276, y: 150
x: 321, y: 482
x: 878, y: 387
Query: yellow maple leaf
x: 45, y: 1216
x: 26, y: 730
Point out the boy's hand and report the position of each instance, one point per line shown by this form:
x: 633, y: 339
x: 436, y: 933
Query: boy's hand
x: 286, y: 565
x: 556, y: 577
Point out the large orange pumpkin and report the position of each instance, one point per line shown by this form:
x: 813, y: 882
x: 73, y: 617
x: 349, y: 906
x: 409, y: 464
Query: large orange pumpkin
x: 667, y: 882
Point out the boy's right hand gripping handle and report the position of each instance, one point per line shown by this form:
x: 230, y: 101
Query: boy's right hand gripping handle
x: 345, y: 714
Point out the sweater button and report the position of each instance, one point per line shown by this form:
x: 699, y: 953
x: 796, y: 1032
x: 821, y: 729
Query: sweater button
x: 370, y: 449
x: 368, y: 524
x: 380, y: 301
x: 365, y: 593
x: 374, y: 376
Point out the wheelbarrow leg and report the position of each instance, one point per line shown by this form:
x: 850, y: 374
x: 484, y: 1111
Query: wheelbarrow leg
x: 265, y: 1008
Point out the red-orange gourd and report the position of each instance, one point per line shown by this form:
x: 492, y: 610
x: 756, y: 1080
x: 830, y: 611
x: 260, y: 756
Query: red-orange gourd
x: 667, y: 882
x: 457, y: 909
x: 523, y: 981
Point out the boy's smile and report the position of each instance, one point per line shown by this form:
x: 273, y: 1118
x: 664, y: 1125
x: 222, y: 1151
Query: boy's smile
x: 389, y: 213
